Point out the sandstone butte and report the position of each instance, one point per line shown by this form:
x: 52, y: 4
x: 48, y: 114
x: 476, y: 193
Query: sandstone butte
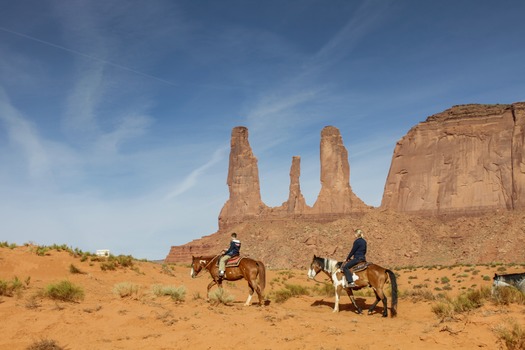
x: 455, y: 193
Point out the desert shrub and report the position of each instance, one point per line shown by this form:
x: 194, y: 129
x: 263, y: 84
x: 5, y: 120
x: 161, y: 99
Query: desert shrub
x: 42, y: 250
x: 469, y: 301
x: 512, y: 334
x: 4, y: 244
x: 64, y: 291
x: 473, y: 299
x: 324, y: 289
x: 73, y: 269
x: 108, y: 265
x: 289, y: 291
x: 176, y: 293
x: 508, y: 295
x: 443, y: 309
x: 32, y: 303
x: 167, y: 270
x: 221, y: 296
x: 45, y: 344
x: 62, y: 247
x: 125, y: 289
x: 418, y: 294
x: 445, y: 280
x: 10, y: 288
x: 122, y: 260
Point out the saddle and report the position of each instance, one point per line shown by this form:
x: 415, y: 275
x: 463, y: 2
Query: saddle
x: 234, y: 261
x: 360, y: 266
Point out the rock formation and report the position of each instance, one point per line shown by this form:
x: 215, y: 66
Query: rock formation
x: 243, y: 182
x: 467, y: 159
x: 335, y: 199
x: 336, y: 196
x: 296, y: 203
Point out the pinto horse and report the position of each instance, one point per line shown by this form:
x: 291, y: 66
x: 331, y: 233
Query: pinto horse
x: 516, y: 280
x: 251, y: 270
x: 373, y: 276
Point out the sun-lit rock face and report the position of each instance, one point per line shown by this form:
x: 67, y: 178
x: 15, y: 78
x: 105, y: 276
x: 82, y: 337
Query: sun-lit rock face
x: 467, y: 159
x: 336, y: 196
x: 243, y: 181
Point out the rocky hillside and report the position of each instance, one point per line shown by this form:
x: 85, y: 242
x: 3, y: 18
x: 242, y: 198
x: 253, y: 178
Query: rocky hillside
x: 454, y: 194
x: 394, y: 239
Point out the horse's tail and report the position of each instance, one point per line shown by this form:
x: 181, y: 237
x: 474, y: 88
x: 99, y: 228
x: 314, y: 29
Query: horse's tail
x: 393, y: 282
x: 262, y: 275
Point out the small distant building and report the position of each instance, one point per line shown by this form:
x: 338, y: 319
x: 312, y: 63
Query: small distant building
x: 102, y: 252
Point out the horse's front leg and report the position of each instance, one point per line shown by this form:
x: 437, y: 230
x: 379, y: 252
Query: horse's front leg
x: 336, y: 302
x: 210, y: 285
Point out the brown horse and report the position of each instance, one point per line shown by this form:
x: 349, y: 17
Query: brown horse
x: 373, y: 276
x: 251, y: 270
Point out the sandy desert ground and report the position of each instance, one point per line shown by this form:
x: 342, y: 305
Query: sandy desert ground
x: 143, y: 320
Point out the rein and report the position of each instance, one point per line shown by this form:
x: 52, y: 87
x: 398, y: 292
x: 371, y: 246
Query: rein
x: 326, y: 270
x: 206, y: 266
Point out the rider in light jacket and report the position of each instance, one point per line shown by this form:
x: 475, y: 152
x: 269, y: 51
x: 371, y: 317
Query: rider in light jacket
x: 233, y: 250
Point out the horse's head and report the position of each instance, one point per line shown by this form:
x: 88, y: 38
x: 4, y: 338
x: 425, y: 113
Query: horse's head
x: 197, y: 263
x: 316, y: 266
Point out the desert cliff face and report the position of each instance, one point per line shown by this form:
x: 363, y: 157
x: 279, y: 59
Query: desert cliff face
x: 455, y: 193
x: 467, y: 159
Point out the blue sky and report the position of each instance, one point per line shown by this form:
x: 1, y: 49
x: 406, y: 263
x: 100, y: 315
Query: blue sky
x: 116, y: 115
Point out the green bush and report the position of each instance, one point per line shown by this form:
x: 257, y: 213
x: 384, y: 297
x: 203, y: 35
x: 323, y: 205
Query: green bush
x: 10, y: 288
x: 64, y: 291
x: 289, y: 291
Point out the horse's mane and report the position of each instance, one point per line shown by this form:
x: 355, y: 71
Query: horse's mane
x: 330, y: 265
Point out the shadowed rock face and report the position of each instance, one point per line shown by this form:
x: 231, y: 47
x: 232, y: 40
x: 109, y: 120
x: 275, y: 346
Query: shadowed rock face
x: 296, y: 203
x: 466, y: 159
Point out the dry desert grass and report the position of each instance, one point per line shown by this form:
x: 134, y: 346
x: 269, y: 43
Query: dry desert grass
x: 66, y: 299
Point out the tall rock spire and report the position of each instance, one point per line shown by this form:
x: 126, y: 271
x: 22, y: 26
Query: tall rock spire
x: 296, y: 203
x: 243, y: 181
x: 336, y: 196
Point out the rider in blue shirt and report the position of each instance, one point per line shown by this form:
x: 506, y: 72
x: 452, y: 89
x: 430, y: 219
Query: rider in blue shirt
x: 356, y: 255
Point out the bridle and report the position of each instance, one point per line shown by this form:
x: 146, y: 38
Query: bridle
x: 205, y: 266
x: 323, y: 270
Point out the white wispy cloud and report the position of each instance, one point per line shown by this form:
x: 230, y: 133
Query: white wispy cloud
x: 192, y: 179
x: 24, y: 138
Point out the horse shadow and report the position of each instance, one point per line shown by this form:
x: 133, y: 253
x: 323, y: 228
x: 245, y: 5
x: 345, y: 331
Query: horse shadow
x: 361, y: 302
